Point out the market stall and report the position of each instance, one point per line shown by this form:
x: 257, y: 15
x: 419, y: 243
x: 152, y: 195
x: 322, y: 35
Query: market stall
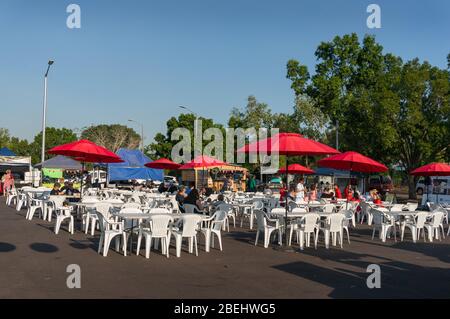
x: 215, y: 177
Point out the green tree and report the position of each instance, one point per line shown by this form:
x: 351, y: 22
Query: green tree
x: 53, y: 137
x: 162, y: 145
x: 113, y: 137
x: 4, y: 137
x: 393, y: 111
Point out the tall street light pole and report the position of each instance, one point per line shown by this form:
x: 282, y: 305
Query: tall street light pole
x: 142, y: 133
x: 44, y: 111
x: 198, y: 147
x: 196, y: 132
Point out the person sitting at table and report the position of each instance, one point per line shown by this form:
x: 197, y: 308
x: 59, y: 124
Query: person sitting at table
x: 220, y: 200
x: 337, y: 191
x: 356, y: 197
x: 375, y: 197
x: 193, y: 198
x: 70, y: 190
x: 348, y: 192
x: 313, y: 193
x: 56, y: 189
x: 326, y: 193
x: 292, y: 194
x: 64, y: 187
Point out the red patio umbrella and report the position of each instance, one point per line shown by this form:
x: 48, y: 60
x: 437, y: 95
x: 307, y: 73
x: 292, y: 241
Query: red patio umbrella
x: 163, y: 163
x: 296, y: 169
x: 86, y: 152
x: 289, y: 144
x: 432, y: 169
x: 353, y: 162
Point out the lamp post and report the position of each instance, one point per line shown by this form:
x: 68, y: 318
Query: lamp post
x: 196, y: 132
x: 142, y: 133
x: 198, y: 147
x: 44, y: 111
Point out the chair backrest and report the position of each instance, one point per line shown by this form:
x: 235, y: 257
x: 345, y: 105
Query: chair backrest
x: 258, y: 204
x: 274, y: 202
x: 335, y: 221
x: 347, y: 213
x: 57, y: 201
x: 189, y: 208
x: 104, y: 209
x: 310, y: 222
x: 190, y: 224
x: 437, y: 218
x: 421, y: 218
x: 160, y: 224
x: 292, y: 205
x: 412, y: 206
x: 299, y: 210
x: 135, y: 199
x: 329, y: 208
x: 378, y: 216
x: 278, y: 210
x: 397, y: 208
x: 260, y: 219
x: 130, y: 211
x: 131, y: 205
x: 225, y: 207
x: 159, y: 211
x: 219, y: 219
x: 90, y: 199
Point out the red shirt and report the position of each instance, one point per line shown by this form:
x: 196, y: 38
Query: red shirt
x: 337, y: 192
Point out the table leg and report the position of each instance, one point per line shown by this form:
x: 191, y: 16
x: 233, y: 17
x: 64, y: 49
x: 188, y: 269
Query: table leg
x: 131, y: 236
x: 207, y: 240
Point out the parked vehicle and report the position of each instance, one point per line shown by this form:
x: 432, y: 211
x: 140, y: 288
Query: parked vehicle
x: 438, y: 189
x: 382, y: 184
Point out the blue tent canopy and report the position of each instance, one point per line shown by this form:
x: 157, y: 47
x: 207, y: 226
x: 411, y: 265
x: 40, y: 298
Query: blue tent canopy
x: 4, y: 151
x: 133, y: 167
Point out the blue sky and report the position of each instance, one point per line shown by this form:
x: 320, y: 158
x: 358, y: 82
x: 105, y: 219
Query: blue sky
x: 141, y: 59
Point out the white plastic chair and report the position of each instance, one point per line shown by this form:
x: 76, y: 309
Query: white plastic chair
x: 334, y: 227
x: 34, y: 205
x: 349, y: 217
x: 12, y: 196
x: 294, y: 225
x: 109, y: 230
x: 189, y: 208
x: 92, y: 218
x: 416, y: 225
x: 263, y: 226
x: 53, y: 204
x: 379, y: 223
x: 412, y: 206
x: 158, y: 229
x: 213, y: 227
x: 436, y: 225
x: 228, y: 208
x: 308, y: 225
x: 189, y: 226
x: 63, y: 213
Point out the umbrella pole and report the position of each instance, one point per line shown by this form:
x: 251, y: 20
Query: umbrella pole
x: 81, y: 186
x: 286, y: 202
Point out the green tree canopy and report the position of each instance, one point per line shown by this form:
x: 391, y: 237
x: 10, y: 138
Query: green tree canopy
x: 113, y: 137
x: 393, y: 111
x: 162, y: 146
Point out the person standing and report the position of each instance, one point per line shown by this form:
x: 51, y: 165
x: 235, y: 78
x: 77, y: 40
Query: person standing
x: 337, y: 191
x: 8, y: 182
x: 252, y: 184
x: 300, y: 190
